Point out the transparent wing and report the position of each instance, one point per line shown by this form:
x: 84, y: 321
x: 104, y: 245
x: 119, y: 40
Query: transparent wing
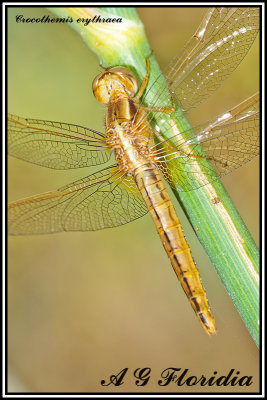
x: 54, y: 144
x: 223, y: 144
x: 213, y: 53
x: 102, y: 200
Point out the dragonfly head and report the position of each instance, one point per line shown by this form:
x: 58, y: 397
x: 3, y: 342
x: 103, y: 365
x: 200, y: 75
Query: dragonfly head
x: 111, y: 79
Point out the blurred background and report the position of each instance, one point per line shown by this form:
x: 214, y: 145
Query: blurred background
x: 83, y: 306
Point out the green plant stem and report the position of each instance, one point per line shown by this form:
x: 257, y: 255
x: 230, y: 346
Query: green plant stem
x: 217, y: 224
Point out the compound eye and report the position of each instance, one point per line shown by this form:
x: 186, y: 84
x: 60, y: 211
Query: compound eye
x: 132, y: 84
x: 95, y: 82
x: 100, y: 88
x: 127, y: 79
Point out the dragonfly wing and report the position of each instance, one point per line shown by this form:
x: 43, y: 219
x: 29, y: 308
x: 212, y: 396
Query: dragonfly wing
x: 54, y: 144
x: 211, y: 55
x: 101, y: 200
x: 223, y: 144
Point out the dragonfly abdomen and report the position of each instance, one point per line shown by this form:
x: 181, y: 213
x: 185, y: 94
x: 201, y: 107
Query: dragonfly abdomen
x: 170, y: 231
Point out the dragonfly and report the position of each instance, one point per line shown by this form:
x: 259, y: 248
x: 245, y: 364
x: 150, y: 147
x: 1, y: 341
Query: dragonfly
x: 132, y: 185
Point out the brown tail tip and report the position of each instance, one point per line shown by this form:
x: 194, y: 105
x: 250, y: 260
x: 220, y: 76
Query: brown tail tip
x: 208, y: 323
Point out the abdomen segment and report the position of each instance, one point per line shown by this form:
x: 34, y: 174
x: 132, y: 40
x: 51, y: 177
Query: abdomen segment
x: 170, y: 231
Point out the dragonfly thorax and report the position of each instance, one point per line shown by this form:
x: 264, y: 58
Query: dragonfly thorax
x: 130, y: 151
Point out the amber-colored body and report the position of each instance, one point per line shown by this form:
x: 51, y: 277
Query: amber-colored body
x: 126, y: 190
x: 171, y: 234
x: 128, y: 133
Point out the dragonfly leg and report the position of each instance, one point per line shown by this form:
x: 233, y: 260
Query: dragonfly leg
x: 196, y: 156
x: 145, y: 80
x: 182, y: 152
x: 166, y: 110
